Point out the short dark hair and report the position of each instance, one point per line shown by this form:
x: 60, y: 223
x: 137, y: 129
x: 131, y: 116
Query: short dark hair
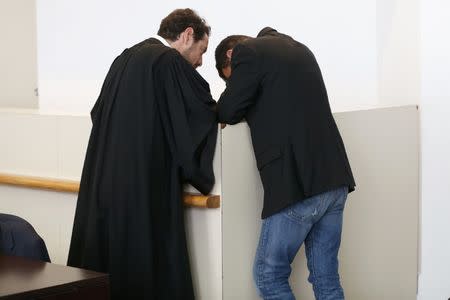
x: 180, y: 19
x: 221, y: 51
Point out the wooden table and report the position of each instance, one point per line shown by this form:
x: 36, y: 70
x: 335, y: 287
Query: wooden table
x: 22, y: 278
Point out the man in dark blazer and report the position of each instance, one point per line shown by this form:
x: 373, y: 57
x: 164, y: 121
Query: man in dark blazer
x: 275, y: 83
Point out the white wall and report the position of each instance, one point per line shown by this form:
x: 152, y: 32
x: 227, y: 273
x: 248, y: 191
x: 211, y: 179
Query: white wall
x: 398, y: 52
x: 77, y: 41
x: 435, y: 57
x: 18, y: 58
x: 45, y: 146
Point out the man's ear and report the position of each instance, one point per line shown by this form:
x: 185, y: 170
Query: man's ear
x: 188, y: 35
x: 229, y: 53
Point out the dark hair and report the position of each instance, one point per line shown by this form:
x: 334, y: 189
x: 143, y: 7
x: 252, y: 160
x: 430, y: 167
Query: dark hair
x: 221, y: 51
x: 180, y: 19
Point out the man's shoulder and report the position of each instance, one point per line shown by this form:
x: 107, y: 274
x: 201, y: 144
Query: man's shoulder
x: 266, y: 31
x: 270, y: 39
x: 256, y: 46
x: 171, y: 57
x: 151, y: 46
x: 153, y: 52
x: 270, y: 34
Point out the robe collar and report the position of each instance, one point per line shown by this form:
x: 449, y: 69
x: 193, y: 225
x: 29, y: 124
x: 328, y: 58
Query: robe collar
x: 162, y: 40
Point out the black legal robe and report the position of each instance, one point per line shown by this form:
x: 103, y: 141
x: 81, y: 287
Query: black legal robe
x: 154, y: 128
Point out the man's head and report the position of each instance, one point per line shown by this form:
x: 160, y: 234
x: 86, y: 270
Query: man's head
x: 224, y: 52
x: 187, y: 33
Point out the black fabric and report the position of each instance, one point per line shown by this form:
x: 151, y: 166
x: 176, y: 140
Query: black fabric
x: 154, y: 128
x: 18, y: 238
x: 277, y: 86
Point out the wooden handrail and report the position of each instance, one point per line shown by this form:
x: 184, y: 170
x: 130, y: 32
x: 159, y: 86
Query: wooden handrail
x: 40, y: 183
x: 189, y: 199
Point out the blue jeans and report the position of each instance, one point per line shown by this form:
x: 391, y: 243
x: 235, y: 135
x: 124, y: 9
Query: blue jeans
x: 316, y: 221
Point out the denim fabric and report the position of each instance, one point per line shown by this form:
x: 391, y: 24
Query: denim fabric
x: 317, y: 222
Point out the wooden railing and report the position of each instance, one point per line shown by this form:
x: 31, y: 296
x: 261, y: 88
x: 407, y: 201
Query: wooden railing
x: 189, y: 199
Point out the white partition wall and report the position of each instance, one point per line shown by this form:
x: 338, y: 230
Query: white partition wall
x: 203, y: 233
x: 242, y: 205
x: 379, y: 252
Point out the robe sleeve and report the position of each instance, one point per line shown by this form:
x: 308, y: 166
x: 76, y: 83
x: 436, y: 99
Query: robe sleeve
x: 189, y: 120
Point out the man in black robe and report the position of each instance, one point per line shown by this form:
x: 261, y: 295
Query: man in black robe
x: 154, y: 127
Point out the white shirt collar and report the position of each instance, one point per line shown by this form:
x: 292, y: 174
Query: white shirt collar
x: 162, y: 40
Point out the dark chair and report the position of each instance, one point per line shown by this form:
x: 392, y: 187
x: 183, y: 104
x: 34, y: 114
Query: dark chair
x: 18, y: 238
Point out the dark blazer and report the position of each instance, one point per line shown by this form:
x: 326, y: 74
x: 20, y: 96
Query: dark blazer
x: 277, y: 86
